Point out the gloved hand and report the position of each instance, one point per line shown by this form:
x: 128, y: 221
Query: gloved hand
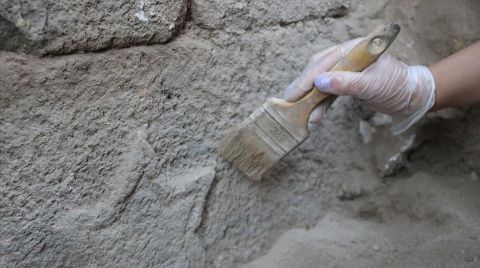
x: 388, y: 86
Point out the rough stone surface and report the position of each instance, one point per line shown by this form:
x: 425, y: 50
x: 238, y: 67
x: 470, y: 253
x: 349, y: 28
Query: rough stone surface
x: 109, y: 158
x: 58, y: 27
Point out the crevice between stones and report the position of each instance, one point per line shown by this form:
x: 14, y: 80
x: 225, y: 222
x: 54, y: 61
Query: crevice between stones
x: 185, y: 19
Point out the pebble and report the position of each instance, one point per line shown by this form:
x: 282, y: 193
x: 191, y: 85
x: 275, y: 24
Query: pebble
x: 381, y: 120
x: 366, y: 131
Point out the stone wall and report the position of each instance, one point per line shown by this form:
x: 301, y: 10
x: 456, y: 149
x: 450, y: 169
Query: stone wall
x: 111, y: 112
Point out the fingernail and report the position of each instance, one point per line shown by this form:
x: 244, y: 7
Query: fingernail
x: 324, y: 83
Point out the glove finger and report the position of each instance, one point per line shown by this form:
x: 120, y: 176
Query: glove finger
x: 319, y: 63
x: 342, y: 83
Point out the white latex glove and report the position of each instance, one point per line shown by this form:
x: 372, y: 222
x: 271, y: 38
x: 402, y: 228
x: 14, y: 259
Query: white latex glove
x: 388, y: 86
x: 318, y: 64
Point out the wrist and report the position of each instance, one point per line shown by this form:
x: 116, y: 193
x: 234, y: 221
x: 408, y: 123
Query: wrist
x: 422, y: 99
x: 439, y: 92
x: 423, y: 94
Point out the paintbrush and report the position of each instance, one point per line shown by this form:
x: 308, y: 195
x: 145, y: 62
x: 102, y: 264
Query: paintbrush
x: 278, y: 126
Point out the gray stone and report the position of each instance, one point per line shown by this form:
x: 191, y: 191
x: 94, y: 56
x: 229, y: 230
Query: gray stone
x: 390, y: 152
x: 59, y: 27
x: 381, y: 120
x: 366, y: 131
x: 103, y: 153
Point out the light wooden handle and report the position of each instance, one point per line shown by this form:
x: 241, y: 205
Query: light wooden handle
x: 357, y: 59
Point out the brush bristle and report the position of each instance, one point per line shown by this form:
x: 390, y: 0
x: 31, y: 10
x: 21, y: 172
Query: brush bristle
x: 242, y: 146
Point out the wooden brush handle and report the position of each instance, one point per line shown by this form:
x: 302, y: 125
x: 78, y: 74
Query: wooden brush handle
x: 355, y: 60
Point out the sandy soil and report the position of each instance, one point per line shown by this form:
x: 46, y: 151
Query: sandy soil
x: 420, y: 220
